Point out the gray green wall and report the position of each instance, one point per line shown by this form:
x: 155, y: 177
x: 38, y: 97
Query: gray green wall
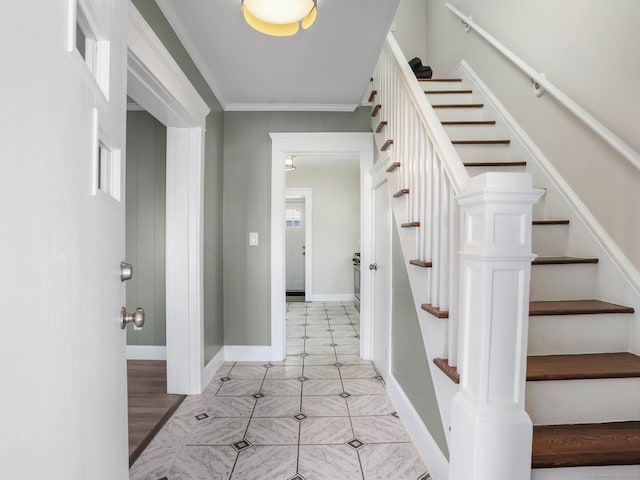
x: 145, y: 223
x: 409, y: 363
x: 247, y: 198
x: 212, y: 178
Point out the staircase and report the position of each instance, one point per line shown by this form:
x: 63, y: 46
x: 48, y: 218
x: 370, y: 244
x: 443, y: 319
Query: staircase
x: 582, y: 381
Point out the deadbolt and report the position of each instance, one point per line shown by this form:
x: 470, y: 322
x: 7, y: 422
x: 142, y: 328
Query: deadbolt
x: 137, y: 317
x: 373, y: 266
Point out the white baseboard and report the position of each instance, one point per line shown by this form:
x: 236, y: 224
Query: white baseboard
x: 212, y: 367
x: 330, y: 297
x: 434, y: 459
x: 146, y: 352
x: 248, y: 353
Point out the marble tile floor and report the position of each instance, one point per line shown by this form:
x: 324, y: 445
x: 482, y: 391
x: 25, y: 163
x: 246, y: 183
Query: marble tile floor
x: 321, y: 414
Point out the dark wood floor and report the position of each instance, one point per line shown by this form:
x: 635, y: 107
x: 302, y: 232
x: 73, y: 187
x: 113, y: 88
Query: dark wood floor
x: 149, y: 404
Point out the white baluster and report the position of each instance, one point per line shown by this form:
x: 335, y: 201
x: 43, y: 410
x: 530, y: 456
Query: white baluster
x: 435, y: 224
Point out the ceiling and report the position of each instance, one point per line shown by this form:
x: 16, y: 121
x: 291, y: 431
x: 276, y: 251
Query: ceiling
x: 324, y: 68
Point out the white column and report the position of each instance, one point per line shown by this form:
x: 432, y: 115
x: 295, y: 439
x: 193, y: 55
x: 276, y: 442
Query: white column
x: 491, y: 433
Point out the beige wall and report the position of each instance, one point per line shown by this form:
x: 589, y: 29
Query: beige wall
x: 588, y: 48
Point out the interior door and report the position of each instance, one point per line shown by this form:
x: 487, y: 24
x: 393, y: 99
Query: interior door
x: 295, y: 245
x: 381, y: 268
x: 62, y: 351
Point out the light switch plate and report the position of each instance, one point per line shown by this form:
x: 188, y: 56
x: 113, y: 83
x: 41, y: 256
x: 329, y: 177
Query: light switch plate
x: 253, y: 239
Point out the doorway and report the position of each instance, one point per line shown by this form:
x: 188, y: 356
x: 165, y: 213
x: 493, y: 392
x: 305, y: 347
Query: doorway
x: 157, y: 84
x: 325, y: 144
x: 295, y: 245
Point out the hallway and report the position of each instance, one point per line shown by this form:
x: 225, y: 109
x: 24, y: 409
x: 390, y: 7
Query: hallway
x: 322, y: 414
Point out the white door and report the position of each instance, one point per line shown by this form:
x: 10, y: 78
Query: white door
x: 381, y: 268
x: 63, y: 411
x: 295, y: 245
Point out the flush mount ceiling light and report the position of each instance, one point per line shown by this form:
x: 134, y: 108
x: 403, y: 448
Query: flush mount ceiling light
x: 288, y: 163
x: 280, y: 18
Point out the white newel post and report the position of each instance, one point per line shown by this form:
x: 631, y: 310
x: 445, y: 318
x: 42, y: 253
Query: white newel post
x: 490, y: 431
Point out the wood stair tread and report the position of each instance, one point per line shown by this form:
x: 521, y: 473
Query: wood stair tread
x: 427, y: 307
x: 568, y: 367
x: 560, y: 307
x: 481, y: 142
x: 588, y: 444
x: 563, y: 260
x: 468, y: 122
x: 582, y: 366
x: 392, y: 167
x: 459, y: 105
x: 551, y: 222
x: 401, y: 192
x: 372, y: 95
x: 437, y: 92
x: 421, y: 263
x: 375, y: 110
x: 495, y: 164
x: 381, y: 126
x: 386, y: 145
x: 410, y: 224
x: 575, y: 307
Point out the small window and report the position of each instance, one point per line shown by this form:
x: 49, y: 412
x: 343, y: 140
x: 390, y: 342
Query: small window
x: 293, y: 217
x: 91, y: 44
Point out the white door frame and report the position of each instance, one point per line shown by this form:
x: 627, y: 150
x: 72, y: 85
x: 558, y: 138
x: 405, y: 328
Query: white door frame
x: 156, y: 82
x: 307, y: 193
x: 283, y: 144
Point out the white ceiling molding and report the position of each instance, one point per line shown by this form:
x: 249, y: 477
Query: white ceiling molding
x: 290, y: 107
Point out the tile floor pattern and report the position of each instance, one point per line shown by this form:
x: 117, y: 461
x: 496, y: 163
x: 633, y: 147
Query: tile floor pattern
x: 321, y: 414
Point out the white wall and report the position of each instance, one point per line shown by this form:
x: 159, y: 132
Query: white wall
x: 336, y: 222
x: 409, y: 29
x: 588, y: 48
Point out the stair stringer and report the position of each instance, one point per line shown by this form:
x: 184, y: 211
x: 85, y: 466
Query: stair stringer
x: 434, y: 330
x: 617, y: 280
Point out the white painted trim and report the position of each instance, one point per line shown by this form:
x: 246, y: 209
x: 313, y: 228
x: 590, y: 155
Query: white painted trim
x: 307, y: 193
x: 184, y: 260
x: 291, y: 107
x: 248, y: 353
x: 341, y: 143
x: 146, y: 352
x: 331, y: 297
x: 428, y: 449
x: 212, y: 367
x: 608, y: 244
x: 156, y: 82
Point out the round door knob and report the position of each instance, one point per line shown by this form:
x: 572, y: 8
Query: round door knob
x: 373, y: 266
x: 137, y: 317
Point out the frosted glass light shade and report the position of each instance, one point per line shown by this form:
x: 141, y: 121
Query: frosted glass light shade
x: 279, y: 17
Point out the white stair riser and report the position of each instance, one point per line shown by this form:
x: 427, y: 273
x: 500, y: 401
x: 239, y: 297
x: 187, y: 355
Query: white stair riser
x: 563, y: 282
x: 484, y: 153
x: 573, y: 334
x: 583, y: 401
x: 549, y: 240
x: 475, y: 171
x: 441, y: 86
x: 459, y: 114
x: 474, y: 132
x: 610, y: 472
x: 455, y: 98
